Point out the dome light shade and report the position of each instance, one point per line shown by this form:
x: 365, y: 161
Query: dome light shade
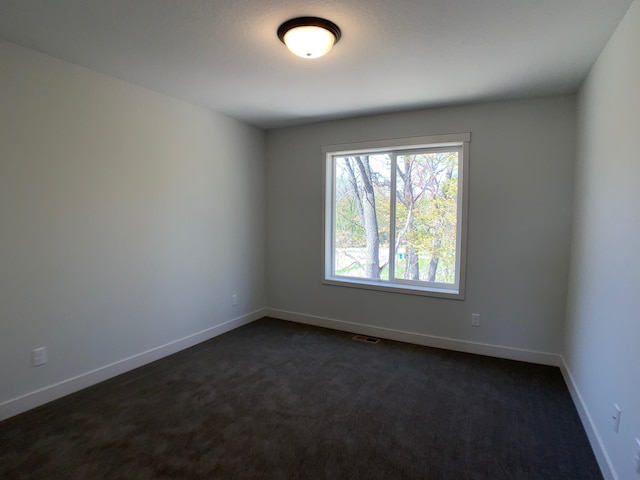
x: 309, y: 37
x: 309, y: 42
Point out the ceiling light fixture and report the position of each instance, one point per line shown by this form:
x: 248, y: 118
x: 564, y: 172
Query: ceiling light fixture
x: 309, y: 37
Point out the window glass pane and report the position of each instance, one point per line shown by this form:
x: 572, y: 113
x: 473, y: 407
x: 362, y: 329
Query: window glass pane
x: 362, y: 203
x: 426, y: 216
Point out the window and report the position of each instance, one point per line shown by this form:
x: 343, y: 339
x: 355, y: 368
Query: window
x: 395, y: 215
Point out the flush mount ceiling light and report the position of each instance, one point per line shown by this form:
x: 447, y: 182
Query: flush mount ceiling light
x: 309, y: 37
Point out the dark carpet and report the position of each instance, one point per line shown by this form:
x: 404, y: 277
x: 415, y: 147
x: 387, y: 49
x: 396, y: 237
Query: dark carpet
x: 277, y: 400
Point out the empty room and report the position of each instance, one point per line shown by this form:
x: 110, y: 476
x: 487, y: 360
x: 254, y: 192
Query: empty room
x: 323, y: 240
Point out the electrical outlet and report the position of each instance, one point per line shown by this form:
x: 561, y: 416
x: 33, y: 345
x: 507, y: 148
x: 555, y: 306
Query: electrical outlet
x: 475, y: 319
x: 234, y: 300
x: 38, y: 357
x: 617, y: 414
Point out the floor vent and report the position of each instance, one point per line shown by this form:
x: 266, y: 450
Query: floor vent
x: 365, y: 339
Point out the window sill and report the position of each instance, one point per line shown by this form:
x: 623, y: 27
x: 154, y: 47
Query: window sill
x: 382, y: 286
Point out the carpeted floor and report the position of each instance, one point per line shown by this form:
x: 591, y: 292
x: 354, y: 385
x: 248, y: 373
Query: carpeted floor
x: 276, y: 400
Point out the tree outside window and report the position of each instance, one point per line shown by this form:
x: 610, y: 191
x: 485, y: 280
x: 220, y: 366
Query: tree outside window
x: 396, y: 216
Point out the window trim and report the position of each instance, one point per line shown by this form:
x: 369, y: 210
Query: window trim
x: 460, y: 140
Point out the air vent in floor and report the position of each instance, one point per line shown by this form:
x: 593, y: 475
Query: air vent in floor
x: 365, y: 339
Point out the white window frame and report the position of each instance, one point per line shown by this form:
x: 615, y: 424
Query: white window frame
x: 396, y: 146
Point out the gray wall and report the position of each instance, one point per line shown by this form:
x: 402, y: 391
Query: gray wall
x: 603, y: 326
x: 521, y: 174
x: 127, y: 219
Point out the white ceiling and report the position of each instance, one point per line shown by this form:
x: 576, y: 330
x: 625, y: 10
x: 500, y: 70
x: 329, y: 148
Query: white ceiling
x: 393, y: 55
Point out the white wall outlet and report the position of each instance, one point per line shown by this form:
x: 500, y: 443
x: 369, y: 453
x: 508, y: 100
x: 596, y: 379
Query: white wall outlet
x: 617, y: 413
x: 475, y: 319
x: 234, y: 300
x: 38, y: 356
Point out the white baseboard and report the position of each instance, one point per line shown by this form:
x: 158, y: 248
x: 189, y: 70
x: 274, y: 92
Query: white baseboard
x: 606, y: 466
x: 44, y: 395
x: 420, y: 339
